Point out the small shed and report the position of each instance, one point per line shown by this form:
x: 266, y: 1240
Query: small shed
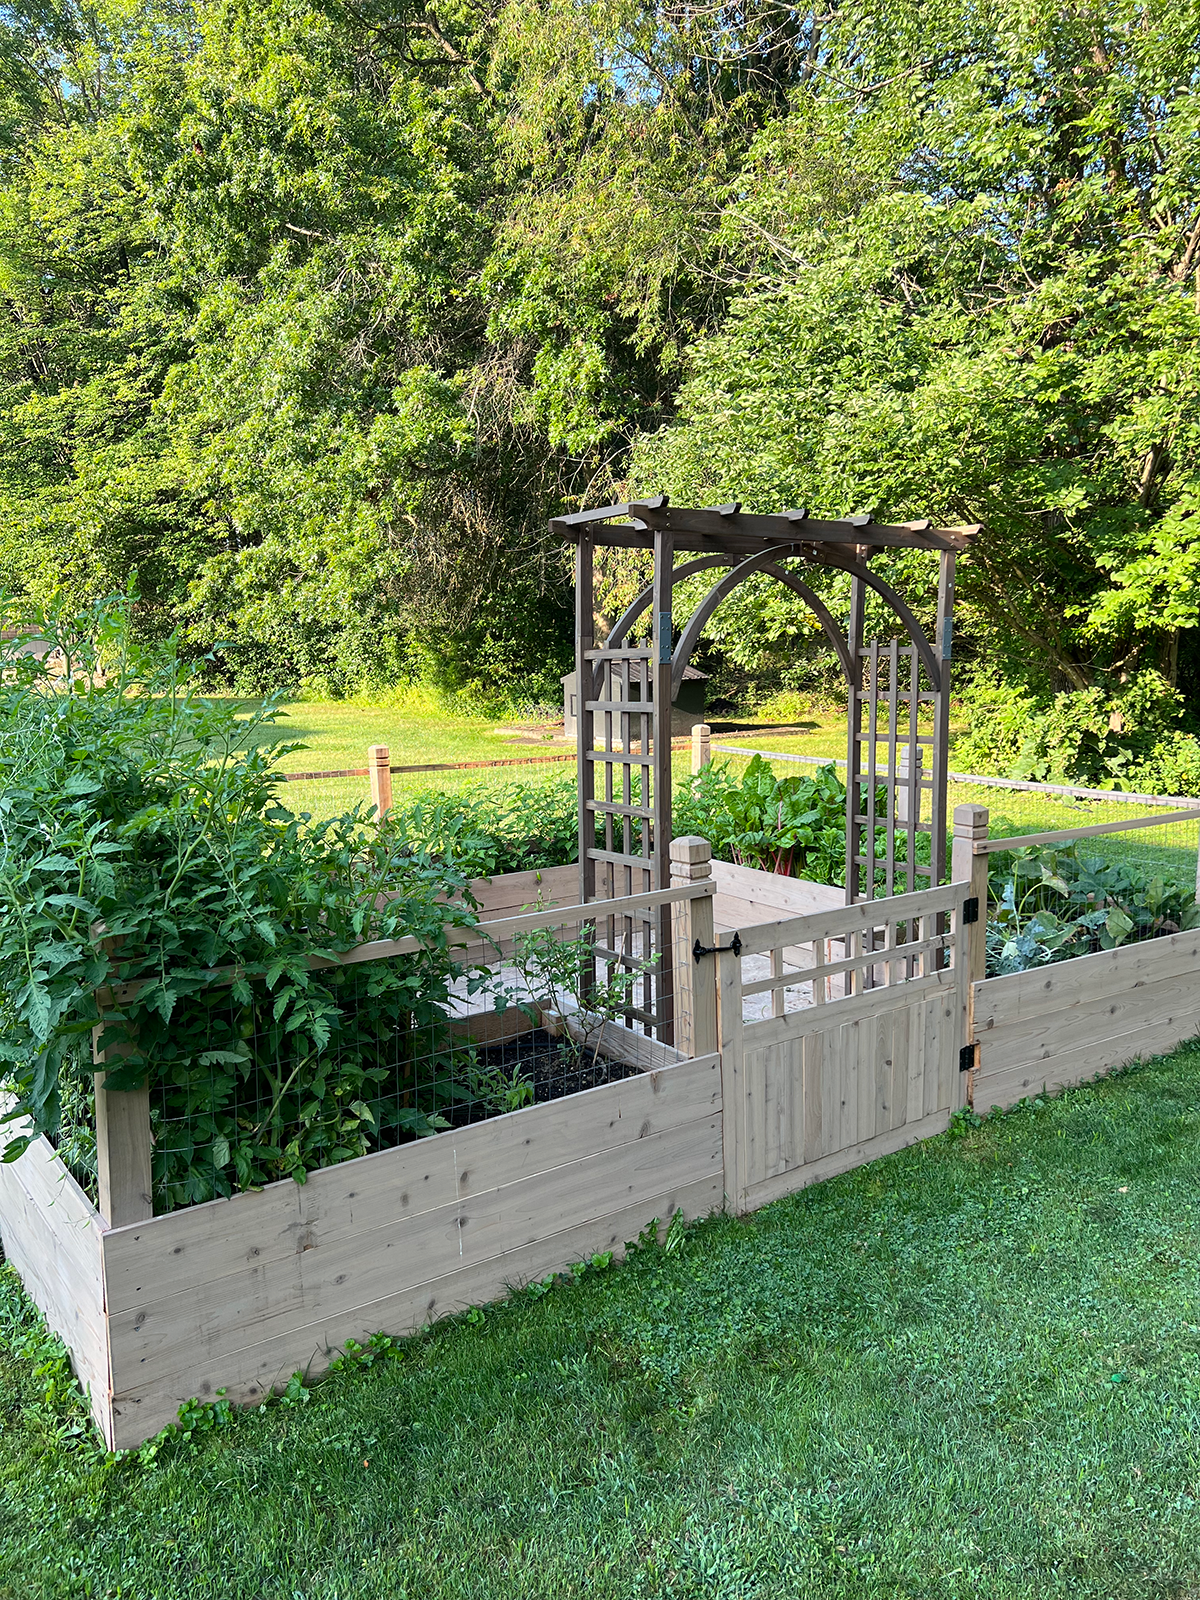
x: 687, y: 708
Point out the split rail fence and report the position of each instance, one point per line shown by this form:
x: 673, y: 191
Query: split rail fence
x: 811, y: 1037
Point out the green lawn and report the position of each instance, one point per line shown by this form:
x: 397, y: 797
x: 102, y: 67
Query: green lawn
x: 971, y: 1369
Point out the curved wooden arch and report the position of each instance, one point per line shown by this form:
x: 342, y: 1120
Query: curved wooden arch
x: 859, y: 569
x: 767, y: 562
x: 634, y: 610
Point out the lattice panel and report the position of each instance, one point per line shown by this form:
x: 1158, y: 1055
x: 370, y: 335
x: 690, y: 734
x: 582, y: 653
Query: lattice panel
x: 625, y: 799
x: 895, y: 807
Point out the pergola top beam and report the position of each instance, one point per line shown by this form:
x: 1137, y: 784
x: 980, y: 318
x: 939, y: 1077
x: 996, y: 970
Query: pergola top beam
x: 729, y: 528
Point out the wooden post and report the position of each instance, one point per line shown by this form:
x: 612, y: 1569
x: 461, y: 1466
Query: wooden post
x: 123, y: 1174
x: 971, y: 825
x: 943, y: 646
x: 585, y: 732
x: 695, y: 981
x: 701, y: 754
x: 380, y: 778
x: 659, y: 801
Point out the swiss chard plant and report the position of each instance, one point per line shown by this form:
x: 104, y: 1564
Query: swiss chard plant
x: 795, y: 826
x: 153, y: 888
x: 1049, y: 904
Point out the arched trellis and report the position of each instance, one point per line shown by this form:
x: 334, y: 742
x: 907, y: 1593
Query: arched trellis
x: 899, y: 693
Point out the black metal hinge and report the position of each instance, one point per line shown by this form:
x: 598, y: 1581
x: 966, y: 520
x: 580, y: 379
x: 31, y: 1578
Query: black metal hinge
x: 970, y: 910
x: 734, y: 945
x: 966, y: 1058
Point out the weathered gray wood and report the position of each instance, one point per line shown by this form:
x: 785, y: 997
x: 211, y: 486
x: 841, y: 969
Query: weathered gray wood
x: 212, y: 1242
x: 249, y: 1374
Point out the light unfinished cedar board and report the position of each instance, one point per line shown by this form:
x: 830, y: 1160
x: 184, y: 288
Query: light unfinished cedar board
x: 248, y: 1375
x: 1079, y: 983
x: 832, y: 1166
x: 851, y: 1085
x: 1050, y: 1028
x: 51, y: 1233
x: 245, y: 1286
x: 745, y: 895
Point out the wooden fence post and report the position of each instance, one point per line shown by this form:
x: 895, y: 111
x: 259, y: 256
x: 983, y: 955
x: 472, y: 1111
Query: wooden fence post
x: 971, y: 825
x: 695, y: 981
x: 123, y: 1174
x: 701, y: 746
x: 380, y: 777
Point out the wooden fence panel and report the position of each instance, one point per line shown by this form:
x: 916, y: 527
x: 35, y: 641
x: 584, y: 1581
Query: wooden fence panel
x: 242, y: 1292
x: 848, y: 1076
x: 1061, y: 1025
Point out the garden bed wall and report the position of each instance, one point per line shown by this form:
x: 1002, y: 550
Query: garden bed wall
x: 1059, y: 1025
x: 237, y: 1294
x: 51, y: 1234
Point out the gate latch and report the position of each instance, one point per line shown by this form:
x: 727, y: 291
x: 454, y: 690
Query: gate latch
x: 734, y: 946
x: 966, y: 1057
x: 970, y: 910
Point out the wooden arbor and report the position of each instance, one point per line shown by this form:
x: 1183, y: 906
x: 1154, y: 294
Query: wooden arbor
x: 899, y: 692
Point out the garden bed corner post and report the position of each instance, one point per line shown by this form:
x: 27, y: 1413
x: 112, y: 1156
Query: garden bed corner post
x: 970, y: 827
x: 124, y: 1180
x: 695, y: 981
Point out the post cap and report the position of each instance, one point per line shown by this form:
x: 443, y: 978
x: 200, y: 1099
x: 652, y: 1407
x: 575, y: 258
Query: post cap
x: 691, y: 848
x: 971, y: 819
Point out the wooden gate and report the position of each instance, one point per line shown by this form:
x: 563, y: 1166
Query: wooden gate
x: 862, y: 1050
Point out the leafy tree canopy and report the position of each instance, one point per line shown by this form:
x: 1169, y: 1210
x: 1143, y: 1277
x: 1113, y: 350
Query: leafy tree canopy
x: 312, y: 311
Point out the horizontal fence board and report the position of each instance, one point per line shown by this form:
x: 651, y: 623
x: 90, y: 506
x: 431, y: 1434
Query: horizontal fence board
x: 834, y: 1012
x: 272, y: 1298
x: 207, y: 1243
x: 51, y: 1234
x: 1022, y: 841
x: 771, y: 891
x: 1047, y: 1034
x: 514, y: 892
x: 999, y: 1081
x: 1084, y: 979
x: 851, y: 919
x: 249, y: 1374
x: 845, y: 1160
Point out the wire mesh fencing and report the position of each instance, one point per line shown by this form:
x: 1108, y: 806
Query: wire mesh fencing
x: 249, y: 1084
x: 1168, y: 851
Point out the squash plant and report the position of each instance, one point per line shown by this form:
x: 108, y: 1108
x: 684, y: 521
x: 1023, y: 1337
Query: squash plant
x: 1050, y: 903
x: 144, y: 855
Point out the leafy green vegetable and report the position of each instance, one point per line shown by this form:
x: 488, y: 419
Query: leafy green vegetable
x: 1049, y: 904
x: 144, y: 855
